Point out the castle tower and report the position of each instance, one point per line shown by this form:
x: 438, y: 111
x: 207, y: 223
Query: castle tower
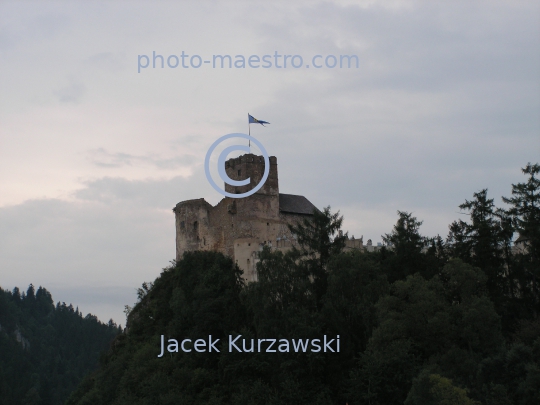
x: 192, y: 225
x: 252, y: 166
x: 264, y: 204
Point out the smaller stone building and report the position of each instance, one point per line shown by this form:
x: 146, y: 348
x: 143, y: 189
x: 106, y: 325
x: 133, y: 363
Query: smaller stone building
x: 240, y: 227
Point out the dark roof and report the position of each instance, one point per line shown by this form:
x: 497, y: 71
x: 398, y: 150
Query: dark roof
x: 295, y: 204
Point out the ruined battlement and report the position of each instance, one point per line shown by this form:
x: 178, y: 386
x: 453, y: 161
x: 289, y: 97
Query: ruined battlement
x: 252, y: 166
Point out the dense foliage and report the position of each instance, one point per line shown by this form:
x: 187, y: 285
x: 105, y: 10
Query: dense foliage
x: 46, y: 350
x: 421, y: 321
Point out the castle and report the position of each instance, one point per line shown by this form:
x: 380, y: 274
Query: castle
x: 240, y: 227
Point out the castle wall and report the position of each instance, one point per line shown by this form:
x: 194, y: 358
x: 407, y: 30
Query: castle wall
x: 239, y: 227
x: 354, y: 244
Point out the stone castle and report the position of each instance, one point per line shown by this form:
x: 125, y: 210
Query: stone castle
x: 240, y: 227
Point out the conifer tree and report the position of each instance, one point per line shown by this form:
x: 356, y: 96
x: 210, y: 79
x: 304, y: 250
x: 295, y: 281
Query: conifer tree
x: 405, y: 248
x: 481, y: 242
x: 319, y: 238
x: 524, y: 213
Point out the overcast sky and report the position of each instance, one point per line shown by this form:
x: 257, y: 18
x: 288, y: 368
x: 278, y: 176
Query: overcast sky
x: 93, y: 154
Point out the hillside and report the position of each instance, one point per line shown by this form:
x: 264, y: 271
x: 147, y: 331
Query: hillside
x: 421, y: 321
x: 426, y: 321
x: 45, y: 350
x: 408, y: 340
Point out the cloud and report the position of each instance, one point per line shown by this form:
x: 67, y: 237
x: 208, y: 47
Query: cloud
x: 144, y: 193
x: 94, y: 155
x: 83, y: 245
x: 96, y: 248
x: 100, y: 157
x: 108, y: 61
x: 71, y: 93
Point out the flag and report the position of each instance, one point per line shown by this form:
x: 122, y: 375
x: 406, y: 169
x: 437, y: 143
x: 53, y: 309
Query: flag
x: 253, y: 120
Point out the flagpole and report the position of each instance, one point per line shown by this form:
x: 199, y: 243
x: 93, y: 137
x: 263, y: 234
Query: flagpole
x: 253, y: 120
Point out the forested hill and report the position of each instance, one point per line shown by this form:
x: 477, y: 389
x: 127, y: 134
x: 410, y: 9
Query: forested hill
x: 46, y: 350
x: 423, y: 321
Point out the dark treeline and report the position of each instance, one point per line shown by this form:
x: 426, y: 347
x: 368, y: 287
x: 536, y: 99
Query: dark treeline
x: 46, y: 350
x: 421, y: 321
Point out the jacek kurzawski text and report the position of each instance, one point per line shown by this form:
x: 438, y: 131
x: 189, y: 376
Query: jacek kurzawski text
x: 238, y: 344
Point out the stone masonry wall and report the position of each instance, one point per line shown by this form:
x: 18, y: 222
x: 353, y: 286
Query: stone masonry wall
x: 238, y: 227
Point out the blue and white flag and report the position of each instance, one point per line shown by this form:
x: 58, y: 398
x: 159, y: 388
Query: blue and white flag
x: 253, y: 120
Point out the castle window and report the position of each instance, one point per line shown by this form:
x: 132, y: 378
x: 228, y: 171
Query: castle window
x: 239, y: 172
x: 268, y: 224
x: 182, y: 225
x: 204, y: 241
x: 249, y: 244
x: 248, y: 263
x: 195, y: 226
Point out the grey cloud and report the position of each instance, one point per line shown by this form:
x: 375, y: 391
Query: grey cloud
x: 7, y: 41
x: 444, y: 104
x: 149, y: 193
x: 49, y: 25
x: 107, y: 61
x: 100, y: 157
x: 71, y: 93
x: 429, y: 47
x: 114, y: 232
x: 79, y: 249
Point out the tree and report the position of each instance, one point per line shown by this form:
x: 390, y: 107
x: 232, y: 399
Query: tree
x: 433, y: 389
x: 355, y: 284
x: 319, y: 238
x: 405, y: 246
x: 484, y: 242
x: 282, y: 284
x: 512, y: 376
x: 525, y: 209
x: 446, y: 322
x: 45, y: 351
x: 44, y: 301
x: 30, y: 292
x: 524, y: 213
